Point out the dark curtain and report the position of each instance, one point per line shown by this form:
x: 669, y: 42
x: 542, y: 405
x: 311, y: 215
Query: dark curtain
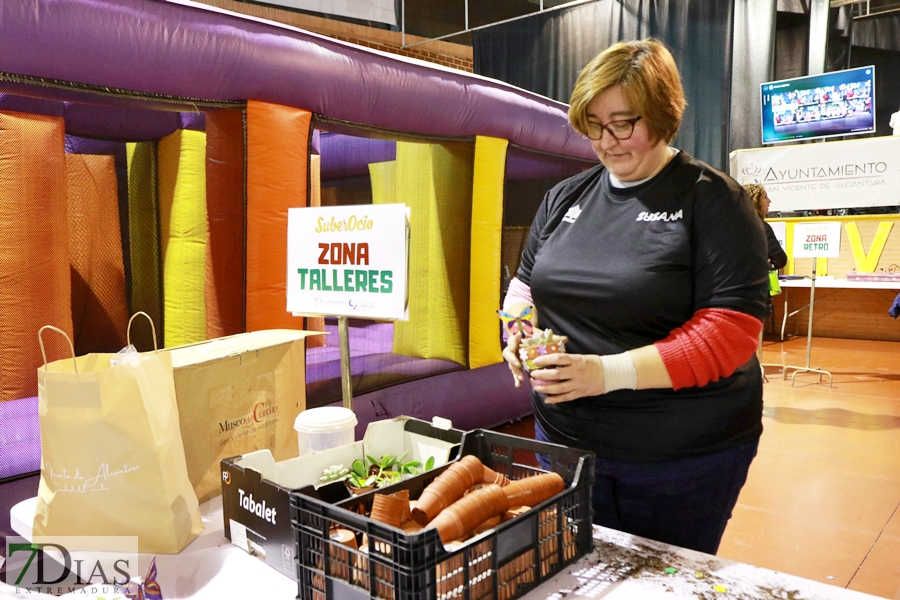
x: 546, y: 52
x: 753, y: 63
x: 861, y: 42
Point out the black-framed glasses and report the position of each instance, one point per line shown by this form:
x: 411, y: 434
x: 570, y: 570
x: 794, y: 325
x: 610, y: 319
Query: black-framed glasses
x: 621, y: 129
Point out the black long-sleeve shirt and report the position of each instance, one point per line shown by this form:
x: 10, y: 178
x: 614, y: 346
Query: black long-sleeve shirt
x: 616, y: 269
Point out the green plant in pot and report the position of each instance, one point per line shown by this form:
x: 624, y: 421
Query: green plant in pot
x: 391, y: 469
x: 359, y: 479
x: 371, y: 473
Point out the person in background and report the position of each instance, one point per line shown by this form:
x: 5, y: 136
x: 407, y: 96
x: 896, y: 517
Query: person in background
x: 654, y: 265
x: 757, y: 192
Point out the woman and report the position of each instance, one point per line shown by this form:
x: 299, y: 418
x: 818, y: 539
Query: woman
x: 757, y: 193
x: 654, y: 266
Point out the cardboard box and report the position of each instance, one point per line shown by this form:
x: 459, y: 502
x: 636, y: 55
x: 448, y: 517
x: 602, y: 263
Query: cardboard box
x: 238, y: 394
x: 256, y: 489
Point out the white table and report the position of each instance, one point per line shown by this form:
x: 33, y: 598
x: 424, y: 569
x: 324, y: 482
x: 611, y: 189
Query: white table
x: 828, y: 283
x: 627, y: 567
x: 621, y: 567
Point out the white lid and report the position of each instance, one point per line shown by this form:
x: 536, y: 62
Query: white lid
x: 325, y: 419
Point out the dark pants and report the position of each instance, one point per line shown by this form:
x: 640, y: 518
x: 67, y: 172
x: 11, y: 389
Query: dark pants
x: 685, y: 502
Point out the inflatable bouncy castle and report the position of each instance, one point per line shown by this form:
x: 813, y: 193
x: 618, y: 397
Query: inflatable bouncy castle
x: 150, y: 151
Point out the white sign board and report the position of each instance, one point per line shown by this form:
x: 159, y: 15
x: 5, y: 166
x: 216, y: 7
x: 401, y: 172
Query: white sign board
x: 381, y: 11
x: 850, y: 174
x: 348, y: 261
x: 779, y: 228
x: 817, y: 240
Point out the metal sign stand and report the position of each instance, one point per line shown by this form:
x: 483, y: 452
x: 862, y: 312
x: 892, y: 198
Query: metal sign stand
x: 346, y: 379
x: 812, y: 300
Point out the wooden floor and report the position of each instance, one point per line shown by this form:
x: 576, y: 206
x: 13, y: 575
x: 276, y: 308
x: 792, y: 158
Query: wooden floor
x: 823, y: 496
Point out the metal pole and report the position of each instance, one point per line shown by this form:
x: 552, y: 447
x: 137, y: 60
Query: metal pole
x: 346, y: 380
x: 403, y: 23
x: 467, y: 14
x: 812, y: 299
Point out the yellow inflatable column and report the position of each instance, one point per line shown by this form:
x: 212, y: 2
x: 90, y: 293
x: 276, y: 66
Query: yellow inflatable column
x: 435, y: 181
x: 143, y: 235
x: 182, y: 228
x: 487, y: 233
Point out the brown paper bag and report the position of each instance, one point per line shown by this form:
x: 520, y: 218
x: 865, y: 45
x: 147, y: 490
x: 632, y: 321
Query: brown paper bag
x: 112, y: 460
x: 238, y: 394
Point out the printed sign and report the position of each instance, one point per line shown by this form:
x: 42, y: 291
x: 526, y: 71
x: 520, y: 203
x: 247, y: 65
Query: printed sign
x: 348, y: 261
x: 779, y: 228
x: 849, y: 174
x: 817, y: 240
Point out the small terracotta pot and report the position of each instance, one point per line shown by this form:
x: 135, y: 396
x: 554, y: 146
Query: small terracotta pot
x: 533, y: 490
x: 388, y: 509
x: 407, y: 510
x: 487, y: 525
x: 464, y: 515
x: 447, y: 488
x: 492, y: 476
x: 512, y: 513
x: 360, y: 491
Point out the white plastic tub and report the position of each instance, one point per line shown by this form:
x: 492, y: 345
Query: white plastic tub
x: 323, y: 428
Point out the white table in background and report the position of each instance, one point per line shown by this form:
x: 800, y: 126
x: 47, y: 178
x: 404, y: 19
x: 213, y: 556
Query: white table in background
x: 827, y: 282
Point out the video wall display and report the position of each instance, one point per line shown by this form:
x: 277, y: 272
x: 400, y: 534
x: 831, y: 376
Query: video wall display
x: 819, y: 106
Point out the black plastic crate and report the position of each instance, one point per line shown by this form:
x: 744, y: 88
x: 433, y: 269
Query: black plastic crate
x: 385, y: 562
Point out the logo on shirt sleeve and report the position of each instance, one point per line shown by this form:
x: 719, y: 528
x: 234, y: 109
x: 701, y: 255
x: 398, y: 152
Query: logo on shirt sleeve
x: 572, y: 214
x: 659, y: 216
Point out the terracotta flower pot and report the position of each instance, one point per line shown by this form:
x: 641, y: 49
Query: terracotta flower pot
x: 533, y: 490
x: 527, y: 353
x: 463, y: 516
x: 492, y: 476
x: 388, y: 509
x: 447, y: 488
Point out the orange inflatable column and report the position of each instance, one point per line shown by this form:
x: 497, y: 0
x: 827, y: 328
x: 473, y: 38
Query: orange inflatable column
x: 224, y: 287
x: 277, y: 179
x: 35, y: 288
x: 99, y: 308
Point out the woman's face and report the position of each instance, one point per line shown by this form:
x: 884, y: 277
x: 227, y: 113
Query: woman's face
x: 629, y: 160
x: 764, y: 203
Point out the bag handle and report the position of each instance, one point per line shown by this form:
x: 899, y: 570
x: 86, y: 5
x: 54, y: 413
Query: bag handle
x: 152, y: 328
x: 65, y: 335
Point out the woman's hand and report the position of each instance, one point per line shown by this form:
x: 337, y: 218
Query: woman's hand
x: 511, y: 356
x: 566, y: 377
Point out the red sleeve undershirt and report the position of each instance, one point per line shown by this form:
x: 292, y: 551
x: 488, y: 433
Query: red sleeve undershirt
x: 711, y: 345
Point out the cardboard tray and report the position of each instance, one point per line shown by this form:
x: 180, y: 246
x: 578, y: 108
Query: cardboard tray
x: 256, y: 490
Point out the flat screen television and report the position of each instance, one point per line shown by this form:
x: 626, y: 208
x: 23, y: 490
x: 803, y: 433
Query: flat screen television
x: 819, y: 106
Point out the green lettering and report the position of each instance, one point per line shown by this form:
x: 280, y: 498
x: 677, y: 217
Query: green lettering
x: 348, y: 280
x: 334, y: 281
x: 315, y: 279
x: 362, y: 282
x: 373, y: 282
x: 387, y: 285
x: 303, y: 273
x: 325, y: 286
